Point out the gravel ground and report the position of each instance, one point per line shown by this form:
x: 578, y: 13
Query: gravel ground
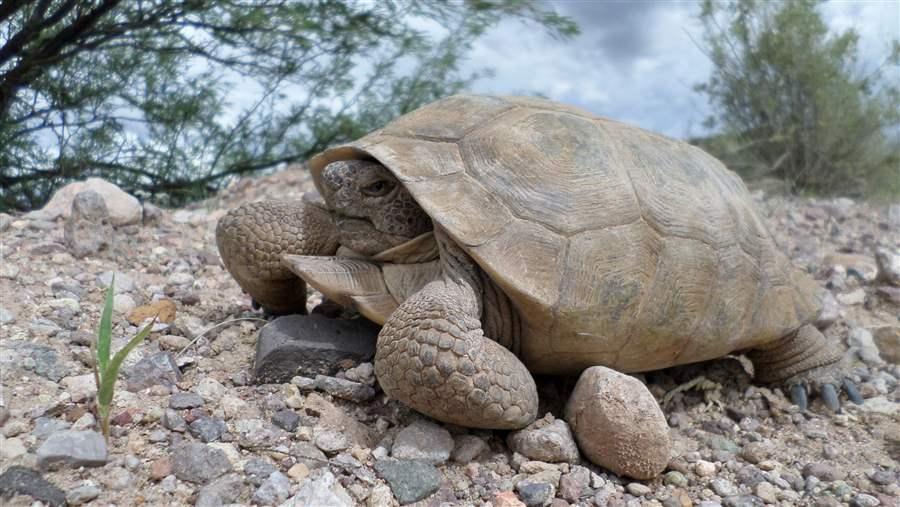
x: 190, y: 427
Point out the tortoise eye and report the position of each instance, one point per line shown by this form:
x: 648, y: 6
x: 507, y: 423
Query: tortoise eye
x: 378, y: 189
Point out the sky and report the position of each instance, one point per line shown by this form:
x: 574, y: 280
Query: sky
x: 637, y: 61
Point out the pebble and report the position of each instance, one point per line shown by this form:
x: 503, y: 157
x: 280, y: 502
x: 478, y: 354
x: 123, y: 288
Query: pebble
x: 117, y: 479
x: 153, y: 369
x: 862, y: 341
x: 73, y: 448
x: 323, y: 490
x: 298, y: 472
x: 222, y: 491
x: 274, y: 490
x: 675, y: 478
x: 18, y: 480
x: 742, y: 501
x: 824, y: 472
x: 547, y: 439
x: 575, y: 484
x: 887, y: 341
x: 888, y: 262
x: 332, y: 441
x: 12, y: 448
x: 534, y: 494
x: 257, y: 471
x: 87, y: 491
x: 344, y: 389
x: 864, y: 500
x: 507, y: 499
x: 410, y: 481
x: 637, y: 489
x: 182, y: 401
x: 704, y: 468
x: 723, y: 487
x: 467, y: 448
x: 286, y: 419
x: 80, y: 387
x: 6, y: 316
x: 855, y: 297
x: 309, y: 455
x: 173, y: 420
x: 207, y: 429
x: 210, y: 390
x: 311, y: 345
x: 198, y: 463
x: 423, y: 440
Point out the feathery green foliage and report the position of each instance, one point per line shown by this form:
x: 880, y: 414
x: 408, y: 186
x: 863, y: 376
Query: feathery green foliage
x: 795, y: 104
x: 106, y: 370
x: 138, y: 92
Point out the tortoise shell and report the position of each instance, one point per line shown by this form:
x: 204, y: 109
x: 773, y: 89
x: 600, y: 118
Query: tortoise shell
x: 617, y: 246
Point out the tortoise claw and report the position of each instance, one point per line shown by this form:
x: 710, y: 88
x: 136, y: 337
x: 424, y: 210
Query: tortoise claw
x: 852, y: 392
x: 830, y: 397
x: 798, y: 396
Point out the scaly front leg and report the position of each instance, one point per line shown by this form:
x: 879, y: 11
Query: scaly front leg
x: 433, y: 356
x: 252, y: 239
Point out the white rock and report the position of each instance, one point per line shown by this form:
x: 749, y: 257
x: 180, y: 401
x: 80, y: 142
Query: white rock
x: 210, y: 389
x: 324, y: 490
x: 888, y: 265
x: 11, y: 448
x: 123, y: 303
x: 863, y: 343
x: 856, y: 297
x: 124, y: 209
x: 80, y: 387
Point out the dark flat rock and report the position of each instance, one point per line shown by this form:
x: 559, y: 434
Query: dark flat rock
x: 18, y: 480
x: 311, y: 345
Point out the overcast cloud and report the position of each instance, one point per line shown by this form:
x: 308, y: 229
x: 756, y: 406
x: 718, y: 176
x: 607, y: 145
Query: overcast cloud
x: 637, y: 61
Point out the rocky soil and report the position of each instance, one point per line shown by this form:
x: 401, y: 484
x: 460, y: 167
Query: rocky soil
x: 190, y: 427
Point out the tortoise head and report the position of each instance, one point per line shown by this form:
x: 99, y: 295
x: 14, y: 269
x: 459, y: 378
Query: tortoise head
x: 372, y: 210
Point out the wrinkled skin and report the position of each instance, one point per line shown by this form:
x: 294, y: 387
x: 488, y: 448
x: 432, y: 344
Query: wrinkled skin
x: 370, y: 208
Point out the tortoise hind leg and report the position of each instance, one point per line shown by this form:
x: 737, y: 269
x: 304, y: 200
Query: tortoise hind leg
x: 805, y: 360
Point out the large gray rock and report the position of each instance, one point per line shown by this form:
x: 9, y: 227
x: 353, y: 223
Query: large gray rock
x: 18, y: 480
x: 323, y: 489
x: 548, y: 439
x: 311, y: 345
x: 410, y: 481
x: 88, y: 229
x: 124, y: 209
x: 618, y: 423
x: 73, y: 448
x: 424, y: 441
x: 199, y: 463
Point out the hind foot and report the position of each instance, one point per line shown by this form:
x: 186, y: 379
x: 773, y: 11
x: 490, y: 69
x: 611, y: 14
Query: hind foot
x: 806, y: 362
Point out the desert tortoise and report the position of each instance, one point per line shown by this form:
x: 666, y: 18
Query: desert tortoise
x: 493, y: 236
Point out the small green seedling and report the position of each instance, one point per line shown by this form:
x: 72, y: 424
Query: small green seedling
x: 105, y: 370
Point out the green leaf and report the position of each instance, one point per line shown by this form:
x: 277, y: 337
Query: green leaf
x: 108, y: 382
x: 104, y: 335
